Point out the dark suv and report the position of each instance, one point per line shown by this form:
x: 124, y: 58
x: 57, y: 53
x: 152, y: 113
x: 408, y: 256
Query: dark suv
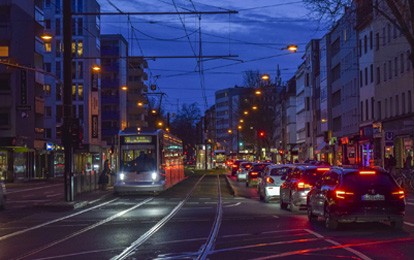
x: 356, y: 195
x: 298, y: 183
x: 235, y: 166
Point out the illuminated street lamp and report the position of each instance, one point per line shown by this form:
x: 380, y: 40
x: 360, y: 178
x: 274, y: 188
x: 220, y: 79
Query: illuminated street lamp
x: 265, y: 77
x: 292, y: 47
x: 258, y: 92
x: 96, y: 68
x: 230, y: 131
x: 241, y: 121
x: 254, y: 107
x: 140, y: 104
x: 46, y: 37
x: 160, y: 123
x: 239, y: 127
x: 153, y: 111
x: 246, y: 112
x: 124, y: 88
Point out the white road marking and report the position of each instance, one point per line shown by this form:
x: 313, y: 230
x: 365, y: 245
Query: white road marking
x: 409, y: 224
x: 53, y: 221
x: 410, y: 203
x: 232, y: 205
x: 53, y: 195
x: 31, y: 189
x: 359, y: 254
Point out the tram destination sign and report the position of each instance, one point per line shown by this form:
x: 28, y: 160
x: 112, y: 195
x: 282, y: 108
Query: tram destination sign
x: 138, y: 139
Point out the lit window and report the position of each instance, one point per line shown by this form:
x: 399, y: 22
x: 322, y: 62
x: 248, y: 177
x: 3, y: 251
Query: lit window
x: 46, y: 89
x: 4, y: 51
x: 80, y: 49
x: 48, y: 47
x: 73, y: 92
x: 80, y: 92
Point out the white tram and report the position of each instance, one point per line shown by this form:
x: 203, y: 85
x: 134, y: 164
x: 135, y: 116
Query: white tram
x: 149, y: 161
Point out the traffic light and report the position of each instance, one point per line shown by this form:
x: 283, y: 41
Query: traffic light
x: 262, y: 134
x: 76, y: 133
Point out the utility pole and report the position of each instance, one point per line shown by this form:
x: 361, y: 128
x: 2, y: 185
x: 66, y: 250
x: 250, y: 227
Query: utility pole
x: 67, y: 99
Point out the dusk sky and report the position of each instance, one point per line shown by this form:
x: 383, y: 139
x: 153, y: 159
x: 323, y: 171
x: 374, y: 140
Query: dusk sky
x: 256, y: 35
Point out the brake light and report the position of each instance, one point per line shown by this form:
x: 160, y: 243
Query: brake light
x: 248, y: 166
x: 323, y: 169
x: 340, y: 194
x: 399, y: 194
x: 367, y: 172
x: 303, y: 185
x: 234, y: 166
x: 269, y: 180
x: 254, y: 173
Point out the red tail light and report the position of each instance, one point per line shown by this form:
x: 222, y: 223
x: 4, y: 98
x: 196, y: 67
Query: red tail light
x: 254, y: 173
x: 269, y: 180
x: 399, y: 194
x: 234, y: 166
x: 323, y: 169
x: 303, y: 185
x: 367, y: 172
x: 341, y: 194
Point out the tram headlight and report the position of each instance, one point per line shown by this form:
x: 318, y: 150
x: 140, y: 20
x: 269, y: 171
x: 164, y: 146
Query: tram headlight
x: 121, y: 176
x: 154, y: 176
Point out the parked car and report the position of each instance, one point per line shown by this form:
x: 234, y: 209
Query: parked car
x: 243, y: 170
x: 270, y: 180
x: 298, y: 183
x: 254, y: 172
x: 356, y: 195
x: 235, y: 166
x: 2, y: 195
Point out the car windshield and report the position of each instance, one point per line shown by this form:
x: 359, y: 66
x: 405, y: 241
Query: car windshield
x: 311, y: 175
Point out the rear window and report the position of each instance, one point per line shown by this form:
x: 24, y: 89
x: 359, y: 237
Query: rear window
x: 368, y: 181
x: 259, y: 167
x: 277, y: 172
x: 311, y: 175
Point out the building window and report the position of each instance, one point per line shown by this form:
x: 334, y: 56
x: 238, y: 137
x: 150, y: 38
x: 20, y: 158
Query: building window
x: 47, y: 67
x: 58, y: 92
x: 58, y: 70
x: 58, y: 48
x: 402, y: 63
x: 48, y: 47
x: 371, y: 72
x: 80, y: 112
x: 408, y: 61
x: 46, y: 89
x: 377, y: 41
x: 384, y: 36
x: 57, y: 6
x: 378, y: 75
x: 73, y: 92
x: 5, y: 83
x: 370, y: 40
x: 80, y: 92
x: 366, y: 110
x: 366, y: 76
x: 403, y: 103
x: 80, y: 26
x: 57, y: 27
x: 4, y: 51
x: 372, y: 108
x: 360, y: 79
x: 362, y: 110
x: 391, y: 107
x: 409, y: 102
x: 48, y: 133
x: 397, y: 105
x: 80, y: 69
x: 80, y: 48
x: 59, y: 113
x: 385, y: 71
x: 365, y: 44
x: 389, y: 32
x: 47, y: 24
x: 386, y: 108
x: 4, y: 118
x: 389, y: 69
x: 379, y: 116
x: 396, y: 66
x: 48, y: 111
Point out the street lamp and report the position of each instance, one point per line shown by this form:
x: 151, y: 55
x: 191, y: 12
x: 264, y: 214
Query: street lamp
x: 96, y: 68
x: 46, y: 37
x: 124, y: 88
x: 265, y: 77
x: 292, y: 48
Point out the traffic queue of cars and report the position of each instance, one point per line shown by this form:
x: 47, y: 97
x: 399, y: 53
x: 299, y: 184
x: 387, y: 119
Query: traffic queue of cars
x: 332, y: 194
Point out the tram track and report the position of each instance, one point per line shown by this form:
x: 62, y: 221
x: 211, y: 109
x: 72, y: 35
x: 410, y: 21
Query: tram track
x: 32, y: 254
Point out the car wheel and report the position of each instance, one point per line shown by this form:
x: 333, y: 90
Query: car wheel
x: 283, y: 205
x: 330, y: 222
x: 397, y: 224
x: 293, y: 207
x: 311, y: 216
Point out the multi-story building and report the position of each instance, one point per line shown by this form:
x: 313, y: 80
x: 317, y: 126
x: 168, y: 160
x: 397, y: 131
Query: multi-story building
x: 305, y: 105
x: 344, y: 90
x: 136, y: 100
x: 393, y: 89
x: 227, y: 103
x: 22, y: 143
x: 114, y: 52
x: 85, y: 84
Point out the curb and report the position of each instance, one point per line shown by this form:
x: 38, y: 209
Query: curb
x: 229, y: 186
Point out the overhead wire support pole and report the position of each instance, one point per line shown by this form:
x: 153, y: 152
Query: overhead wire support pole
x: 67, y: 99
x: 157, y: 13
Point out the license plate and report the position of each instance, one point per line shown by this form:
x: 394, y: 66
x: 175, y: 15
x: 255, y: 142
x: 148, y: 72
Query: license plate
x: 370, y: 197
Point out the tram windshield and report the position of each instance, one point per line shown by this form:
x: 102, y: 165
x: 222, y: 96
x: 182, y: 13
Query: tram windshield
x: 139, y: 159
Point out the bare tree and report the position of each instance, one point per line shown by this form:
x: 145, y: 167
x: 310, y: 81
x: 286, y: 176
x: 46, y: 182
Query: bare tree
x: 184, y: 124
x: 398, y: 12
x: 252, y: 78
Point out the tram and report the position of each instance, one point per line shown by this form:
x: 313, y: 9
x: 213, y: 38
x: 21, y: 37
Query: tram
x: 149, y: 161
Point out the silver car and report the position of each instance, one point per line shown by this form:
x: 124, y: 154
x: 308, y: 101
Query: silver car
x: 243, y: 170
x: 270, y: 180
x: 2, y: 195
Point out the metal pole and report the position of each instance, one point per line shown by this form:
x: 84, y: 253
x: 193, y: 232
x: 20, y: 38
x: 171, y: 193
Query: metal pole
x: 67, y: 98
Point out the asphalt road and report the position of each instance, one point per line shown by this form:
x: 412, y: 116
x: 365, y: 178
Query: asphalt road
x: 200, y: 218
